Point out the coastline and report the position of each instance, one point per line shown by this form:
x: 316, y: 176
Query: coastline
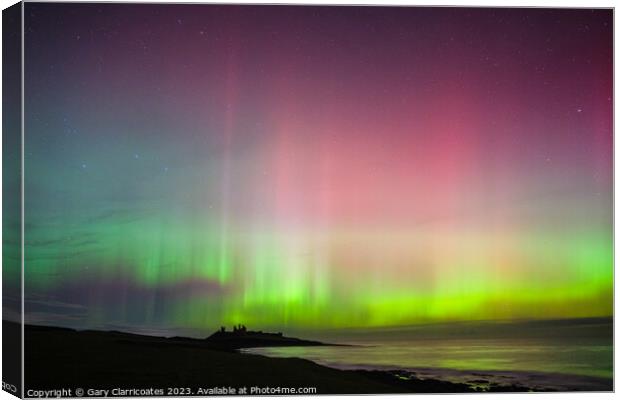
x: 480, y: 380
x: 59, y: 357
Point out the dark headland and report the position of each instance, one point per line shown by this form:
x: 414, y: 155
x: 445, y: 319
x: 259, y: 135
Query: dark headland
x: 240, y: 338
x: 60, y: 358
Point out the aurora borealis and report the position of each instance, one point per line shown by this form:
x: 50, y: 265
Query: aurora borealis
x: 191, y: 166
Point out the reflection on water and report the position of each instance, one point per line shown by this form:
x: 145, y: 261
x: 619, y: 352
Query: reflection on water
x: 487, y: 355
x: 581, y: 347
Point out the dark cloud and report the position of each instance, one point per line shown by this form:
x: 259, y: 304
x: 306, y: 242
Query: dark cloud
x: 81, y: 303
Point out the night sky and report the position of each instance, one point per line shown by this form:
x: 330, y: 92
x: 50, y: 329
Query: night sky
x: 189, y: 166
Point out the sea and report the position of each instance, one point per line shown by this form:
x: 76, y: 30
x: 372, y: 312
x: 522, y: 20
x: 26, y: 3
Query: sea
x: 561, y: 355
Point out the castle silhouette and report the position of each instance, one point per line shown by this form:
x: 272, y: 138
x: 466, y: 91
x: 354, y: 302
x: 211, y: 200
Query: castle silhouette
x: 241, y: 330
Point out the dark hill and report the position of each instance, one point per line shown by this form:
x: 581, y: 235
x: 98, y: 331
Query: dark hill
x: 247, y: 339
